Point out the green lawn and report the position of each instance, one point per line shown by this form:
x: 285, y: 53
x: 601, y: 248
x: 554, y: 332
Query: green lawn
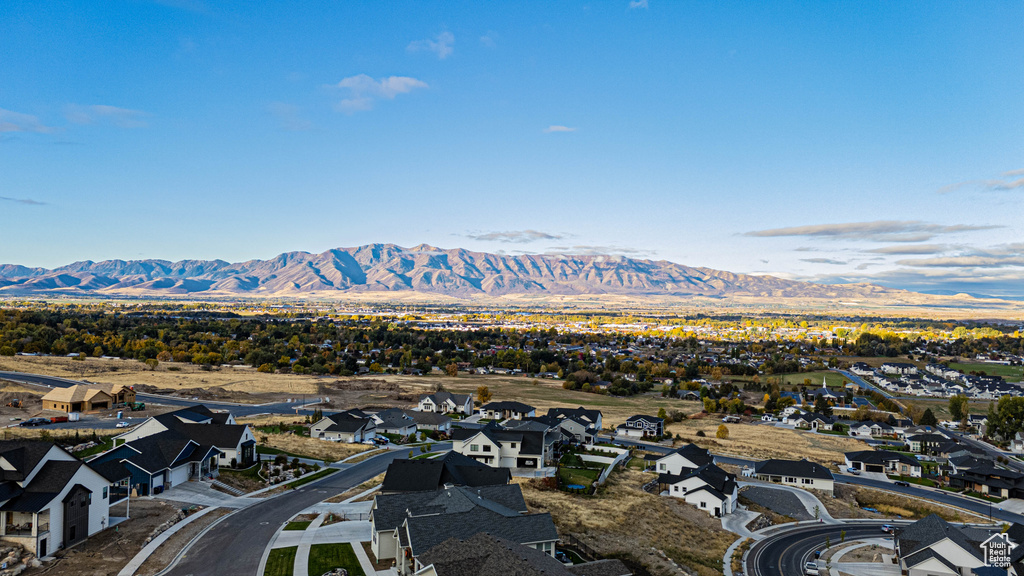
x: 584, y: 476
x: 298, y: 525
x: 326, y: 557
x: 1009, y: 373
x: 834, y: 379
x: 104, y: 445
x: 281, y: 562
x: 911, y: 480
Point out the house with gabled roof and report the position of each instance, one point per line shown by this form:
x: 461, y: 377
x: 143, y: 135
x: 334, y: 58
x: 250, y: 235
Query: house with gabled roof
x: 404, y: 526
x: 799, y: 473
x: 88, y: 397
x: 689, y: 457
x: 444, y: 402
x: 452, y: 469
x: 51, y: 500
x: 351, y: 426
x: 507, y: 410
x: 885, y: 462
x: 707, y: 487
x: 933, y: 547
x: 503, y: 447
x: 235, y: 443
x: 160, y: 461
x: 394, y: 421
x: 642, y: 426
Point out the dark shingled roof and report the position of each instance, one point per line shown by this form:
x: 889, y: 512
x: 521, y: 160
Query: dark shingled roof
x: 391, y: 510
x: 531, y: 441
x: 581, y: 412
x: 432, y: 474
x: 24, y: 455
x: 880, y: 457
x: 484, y: 554
x: 425, y: 532
x: 693, y: 453
x: 797, y: 468
x: 427, y: 418
x: 929, y: 530
x: 508, y: 405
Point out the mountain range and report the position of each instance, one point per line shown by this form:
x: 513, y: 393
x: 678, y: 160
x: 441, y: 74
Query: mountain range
x: 423, y: 269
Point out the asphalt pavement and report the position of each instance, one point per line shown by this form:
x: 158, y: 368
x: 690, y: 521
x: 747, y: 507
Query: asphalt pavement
x: 235, y: 546
x: 785, y: 554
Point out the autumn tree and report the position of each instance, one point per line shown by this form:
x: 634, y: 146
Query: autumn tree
x: 452, y: 369
x: 958, y: 407
x: 483, y: 393
x: 723, y: 432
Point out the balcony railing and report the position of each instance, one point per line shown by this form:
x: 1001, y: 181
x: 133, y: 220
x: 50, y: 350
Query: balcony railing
x: 25, y: 529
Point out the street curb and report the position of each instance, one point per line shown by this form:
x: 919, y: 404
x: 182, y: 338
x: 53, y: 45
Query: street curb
x: 157, y: 542
x: 181, y: 553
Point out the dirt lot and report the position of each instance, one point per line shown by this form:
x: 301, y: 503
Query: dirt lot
x: 166, y: 552
x: 107, y: 552
x: 761, y: 442
x: 608, y: 523
x: 850, y: 500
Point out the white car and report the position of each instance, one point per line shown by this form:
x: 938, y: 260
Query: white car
x: 811, y: 569
x: 122, y: 425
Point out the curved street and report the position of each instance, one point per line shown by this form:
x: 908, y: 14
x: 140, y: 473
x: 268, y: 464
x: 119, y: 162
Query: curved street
x: 785, y: 554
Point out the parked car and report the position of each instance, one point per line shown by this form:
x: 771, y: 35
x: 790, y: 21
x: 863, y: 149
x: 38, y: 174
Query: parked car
x: 887, y: 528
x: 901, y: 483
x: 811, y: 569
x: 562, y: 557
x: 35, y: 422
x: 122, y: 424
x: 853, y: 471
x: 380, y: 441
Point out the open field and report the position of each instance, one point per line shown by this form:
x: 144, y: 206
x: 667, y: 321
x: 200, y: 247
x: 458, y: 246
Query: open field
x: 608, y: 523
x: 940, y: 406
x: 850, y: 500
x: 310, y: 447
x: 761, y: 441
x: 1009, y: 373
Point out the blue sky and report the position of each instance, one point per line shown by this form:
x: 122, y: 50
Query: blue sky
x: 836, y: 141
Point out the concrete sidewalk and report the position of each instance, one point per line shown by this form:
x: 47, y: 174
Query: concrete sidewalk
x: 306, y: 538
x: 203, y: 494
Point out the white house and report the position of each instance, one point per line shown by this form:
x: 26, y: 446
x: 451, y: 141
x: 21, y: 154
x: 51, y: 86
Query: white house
x: 444, y: 402
x: 689, y: 457
x: 708, y: 487
x: 504, y: 448
x: 352, y: 427
x: 799, y: 473
x: 507, y: 410
x: 51, y: 500
x: 642, y: 426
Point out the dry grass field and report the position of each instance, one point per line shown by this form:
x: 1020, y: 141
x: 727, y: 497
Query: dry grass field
x: 849, y: 501
x: 761, y: 442
x: 608, y: 523
x: 311, y: 447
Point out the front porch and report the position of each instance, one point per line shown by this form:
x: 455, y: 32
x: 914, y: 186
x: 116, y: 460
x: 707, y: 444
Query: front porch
x: 26, y: 529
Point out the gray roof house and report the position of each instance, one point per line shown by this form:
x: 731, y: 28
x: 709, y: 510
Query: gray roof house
x: 351, y: 426
x: 483, y: 554
x: 409, y: 524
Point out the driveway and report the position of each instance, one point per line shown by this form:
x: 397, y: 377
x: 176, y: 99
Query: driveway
x: 202, y: 494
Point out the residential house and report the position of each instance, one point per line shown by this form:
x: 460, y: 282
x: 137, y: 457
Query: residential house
x: 51, y: 500
x: 505, y: 448
x: 933, y: 547
x: 430, y: 421
x: 423, y: 474
x: 925, y: 443
x: 581, y: 424
x: 159, y: 461
x: 689, y: 457
x: 642, y: 426
x: 986, y: 478
x: 707, y: 487
x: 352, y: 426
x: 444, y: 402
x: 88, y: 398
x: 235, y: 443
x: 394, y: 421
x: 799, y: 473
x: 483, y: 553
x: 507, y: 410
x: 903, y: 368
x: 404, y: 526
x: 812, y: 421
x: 884, y: 461
x: 862, y: 369
x: 871, y: 429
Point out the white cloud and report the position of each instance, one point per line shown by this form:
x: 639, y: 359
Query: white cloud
x: 1004, y: 181
x: 120, y: 117
x: 634, y: 4
x: 364, y: 90
x: 557, y: 128
x: 490, y: 39
x: 17, y: 122
x: 514, y: 236
x: 877, y: 231
x: 27, y: 201
x: 442, y: 45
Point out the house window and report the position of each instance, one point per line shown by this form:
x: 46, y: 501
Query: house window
x: 487, y: 447
x: 474, y: 448
x: 675, y: 488
x: 513, y: 445
x: 703, y: 504
x: 104, y: 492
x: 662, y: 467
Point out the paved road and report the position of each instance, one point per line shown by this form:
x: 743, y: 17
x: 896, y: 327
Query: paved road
x: 237, y: 409
x: 236, y: 545
x: 785, y: 554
